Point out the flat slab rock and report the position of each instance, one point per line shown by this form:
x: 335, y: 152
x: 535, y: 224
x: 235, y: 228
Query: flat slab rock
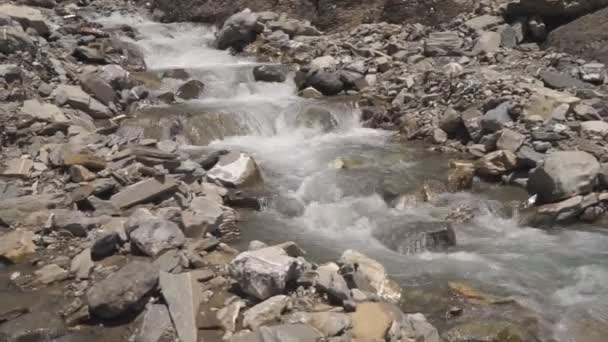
x: 143, y: 191
x: 182, y: 293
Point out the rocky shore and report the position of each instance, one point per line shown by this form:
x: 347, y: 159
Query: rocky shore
x: 109, y: 235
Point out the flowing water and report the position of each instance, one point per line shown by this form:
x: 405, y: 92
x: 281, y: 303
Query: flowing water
x: 560, y: 275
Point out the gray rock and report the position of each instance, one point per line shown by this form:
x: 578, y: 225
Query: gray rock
x: 439, y: 136
x: 13, y: 210
x: 190, y: 90
x: 40, y: 325
x: 10, y: 73
x: 594, y: 128
x: 316, y: 118
x: 328, y: 83
x: 156, y: 236
x: 471, y: 118
x: 328, y: 323
x: 156, y: 325
x: 105, y: 245
x: 114, y: 75
x: 558, y: 80
x: 528, y: 158
x: 265, y: 312
x: 374, y: 273
x: 281, y: 333
x: 269, y: 73
x: 510, y: 140
x: 235, y: 169
x: 487, y: 42
x: 442, y: 43
x: 27, y: 17
x: 496, y: 119
x: 18, y: 167
x: 123, y: 292
x: 564, y: 174
x: 14, y: 40
x: 483, y: 22
x: 323, y: 62
x: 98, y: 87
x: 50, y: 273
x: 78, y: 99
x: 595, y: 73
x: 89, y: 54
x: 508, y: 37
x: 143, y: 191
x: 137, y: 217
x: 265, y: 272
x: 203, y: 216
x: 79, y: 173
x: 255, y: 244
x: 451, y: 121
x: 182, y: 293
x: 82, y: 265
x: 238, y: 31
x: 228, y: 315
x: 330, y: 282
x: 560, y: 211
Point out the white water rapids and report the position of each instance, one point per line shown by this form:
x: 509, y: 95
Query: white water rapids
x: 562, y: 275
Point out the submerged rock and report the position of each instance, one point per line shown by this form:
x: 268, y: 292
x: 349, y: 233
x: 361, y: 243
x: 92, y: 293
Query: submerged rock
x: 238, y: 31
x: 417, y: 237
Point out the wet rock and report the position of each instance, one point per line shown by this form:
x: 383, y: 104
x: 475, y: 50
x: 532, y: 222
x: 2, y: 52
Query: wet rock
x: 442, y: 43
x: 265, y: 272
x: 156, y: 236
x: 40, y: 325
x: 17, y: 245
x: 417, y: 237
x: 486, y: 331
x: 327, y: 323
x: 284, y: 332
x: 105, y: 245
x: 27, y: 17
x: 496, y: 163
x: 564, y: 174
x: 77, y: 98
x: 156, y: 325
x: 560, y: 211
x: 557, y: 80
x: 98, y: 87
x: 460, y: 177
x: 497, y: 118
x: 316, y: 117
x: 269, y: 73
x: 182, y: 293
x: 328, y: 83
x: 374, y: 273
x: 143, y: 191
x: 311, y: 93
x: 238, y: 31
x: 82, y: 265
x: 265, y: 312
x: 123, y: 292
x: 190, y: 90
x: 235, y: 169
x: 43, y: 111
x: 510, y: 140
x: 13, y: 40
x: 50, y: 273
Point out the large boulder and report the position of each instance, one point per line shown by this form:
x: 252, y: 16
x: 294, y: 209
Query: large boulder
x: 265, y: 272
x: 123, y: 292
x: 156, y: 236
x: 235, y: 169
x: 326, y: 82
x: 585, y: 36
x: 238, y: 31
x: 564, y: 174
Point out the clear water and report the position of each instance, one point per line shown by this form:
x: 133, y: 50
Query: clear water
x: 560, y: 275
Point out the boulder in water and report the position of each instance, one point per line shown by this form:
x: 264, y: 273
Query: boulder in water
x: 235, y: 169
x: 564, y: 174
x: 190, y: 90
x: 269, y: 73
x: 496, y: 163
x: 328, y: 83
x: 238, y: 31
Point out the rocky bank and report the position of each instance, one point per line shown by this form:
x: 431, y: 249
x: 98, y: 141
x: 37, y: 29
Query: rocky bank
x: 107, y: 234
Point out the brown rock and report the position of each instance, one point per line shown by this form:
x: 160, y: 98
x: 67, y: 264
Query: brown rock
x: 16, y: 245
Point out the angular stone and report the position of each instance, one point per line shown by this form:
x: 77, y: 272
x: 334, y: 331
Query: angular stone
x: 143, y: 191
x: 284, y: 332
x: 265, y: 312
x: 487, y: 42
x: 496, y: 163
x: 19, y: 167
x: 156, y: 325
x: 105, y: 245
x: 98, y: 88
x: 558, y: 80
x: 80, y: 173
x: 71, y: 156
x: 17, y: 245
x: 14, y: 40
x: 442, y: 43
x: 269, y: 73
x: 123, y: 292
x: 50, y: 273
x: 510, y: 140
x: 326, y: 82
x: 323, y: 62
x: 374, y: 272
x: 79, y: 99
x: 235, y: 169
x: 203, y: 216
x: 330, y: 282
x: 483, y: 22
x: 496, y: 119
x: 328, y: 323
x: 595, y: 128
x: 43, y: 111
x: 156, y: 236
x: 27, y: 17
x: 82, y: 265
x: 90, y: 54
x: 182, y: 293
x: 14, y: 210
x: 564, y: 174
x: 528, y: 158
x: 265, y: 272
